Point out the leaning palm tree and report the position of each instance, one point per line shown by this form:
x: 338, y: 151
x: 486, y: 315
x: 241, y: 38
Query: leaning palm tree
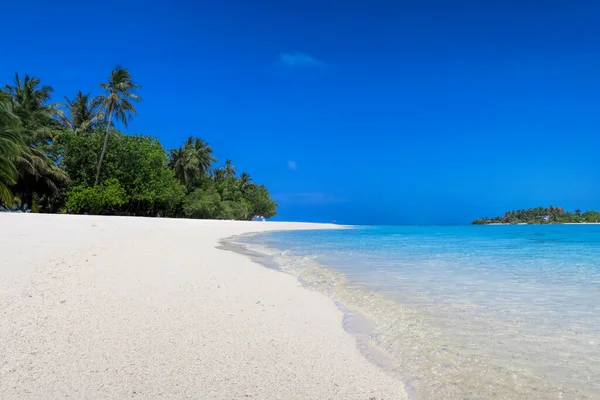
x: 82, y: 113
x: 116, y: 103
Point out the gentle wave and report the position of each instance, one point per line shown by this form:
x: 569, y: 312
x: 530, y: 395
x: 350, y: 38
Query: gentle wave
x: 464, y: 313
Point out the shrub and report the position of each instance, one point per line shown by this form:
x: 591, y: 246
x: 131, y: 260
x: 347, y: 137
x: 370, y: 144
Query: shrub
x: 96, y: 200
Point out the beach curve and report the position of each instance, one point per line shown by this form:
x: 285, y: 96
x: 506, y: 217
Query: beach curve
x: 115, y: 307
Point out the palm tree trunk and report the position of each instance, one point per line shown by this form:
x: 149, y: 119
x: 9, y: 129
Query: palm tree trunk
x: 103, y: 148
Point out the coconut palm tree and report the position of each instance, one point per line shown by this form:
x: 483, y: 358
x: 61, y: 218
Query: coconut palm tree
x: 184, y: 163
x: 219, y: 174
x: 192, y: 161
x: 245, y: 178
x: 28, y: 98
x: 116, y: 103
x: 229, y: 169
x: 203, y: 154
x: 82, y: 113
x: 244, y: 181
x: 37, y: 174
x: 11, y: 146
x: 30, y: 103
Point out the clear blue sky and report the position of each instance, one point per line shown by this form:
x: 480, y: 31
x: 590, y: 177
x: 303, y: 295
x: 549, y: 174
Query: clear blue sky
x: 360, y: 111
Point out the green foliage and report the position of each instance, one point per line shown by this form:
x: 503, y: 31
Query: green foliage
x: 203, y: 203
x: 260, y: 202
x: 38, y: 178
x: 192, y: 162
x: 229, y: 198
x: 229, y: 169
x: 70, y: 158
x: 217, y: 193
x: 541, y: 215
x: 101, y: 199
x: 80, y: 115
x: 79, y: 155
x: 137, y: 162
x: 234, y: 210
x: 11, y: 146
x: 591, y: 216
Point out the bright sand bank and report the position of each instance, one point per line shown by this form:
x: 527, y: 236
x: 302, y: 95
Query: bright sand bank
x: 111, y: 307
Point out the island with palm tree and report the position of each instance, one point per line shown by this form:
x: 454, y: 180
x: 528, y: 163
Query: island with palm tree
x: 542, y: 215
x: 71, y: 158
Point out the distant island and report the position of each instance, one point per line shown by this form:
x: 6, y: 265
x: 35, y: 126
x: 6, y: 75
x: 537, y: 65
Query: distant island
x: 542, y: 215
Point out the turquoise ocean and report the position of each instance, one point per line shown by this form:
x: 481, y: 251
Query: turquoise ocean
x: 461, y: 312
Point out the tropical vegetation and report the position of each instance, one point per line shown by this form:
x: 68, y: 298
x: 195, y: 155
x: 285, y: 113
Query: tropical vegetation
x: 71, y: 157
x: 542, y: 215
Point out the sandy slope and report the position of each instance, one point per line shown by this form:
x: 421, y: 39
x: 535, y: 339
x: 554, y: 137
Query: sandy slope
x: 94, y: 307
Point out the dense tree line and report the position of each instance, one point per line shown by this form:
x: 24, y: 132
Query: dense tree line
x: 71, y: 158
x: 541, y: 215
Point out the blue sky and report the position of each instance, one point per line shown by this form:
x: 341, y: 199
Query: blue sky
x: 365, y: 111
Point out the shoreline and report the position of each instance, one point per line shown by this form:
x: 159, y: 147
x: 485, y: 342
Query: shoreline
x: 419, y: 351
x: 362, y: 320
x: 355, y: 322
x: 113, y: 307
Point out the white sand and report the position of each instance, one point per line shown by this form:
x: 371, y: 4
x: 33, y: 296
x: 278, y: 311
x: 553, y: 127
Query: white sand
x: 109, y: 307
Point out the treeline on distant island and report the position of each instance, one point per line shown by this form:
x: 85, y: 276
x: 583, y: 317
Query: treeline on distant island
x: 542, y: 215
x: 70, y: 158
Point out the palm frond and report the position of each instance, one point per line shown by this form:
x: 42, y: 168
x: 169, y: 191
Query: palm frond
x: 6, y: 196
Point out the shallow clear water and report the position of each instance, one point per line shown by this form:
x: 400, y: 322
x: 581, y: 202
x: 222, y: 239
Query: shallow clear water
x: 466, y: 311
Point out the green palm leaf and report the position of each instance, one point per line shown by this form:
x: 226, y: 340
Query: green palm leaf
x: 115, y: 104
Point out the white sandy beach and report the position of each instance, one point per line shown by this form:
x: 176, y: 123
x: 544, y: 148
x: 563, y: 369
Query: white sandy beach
x: 111, y: 307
